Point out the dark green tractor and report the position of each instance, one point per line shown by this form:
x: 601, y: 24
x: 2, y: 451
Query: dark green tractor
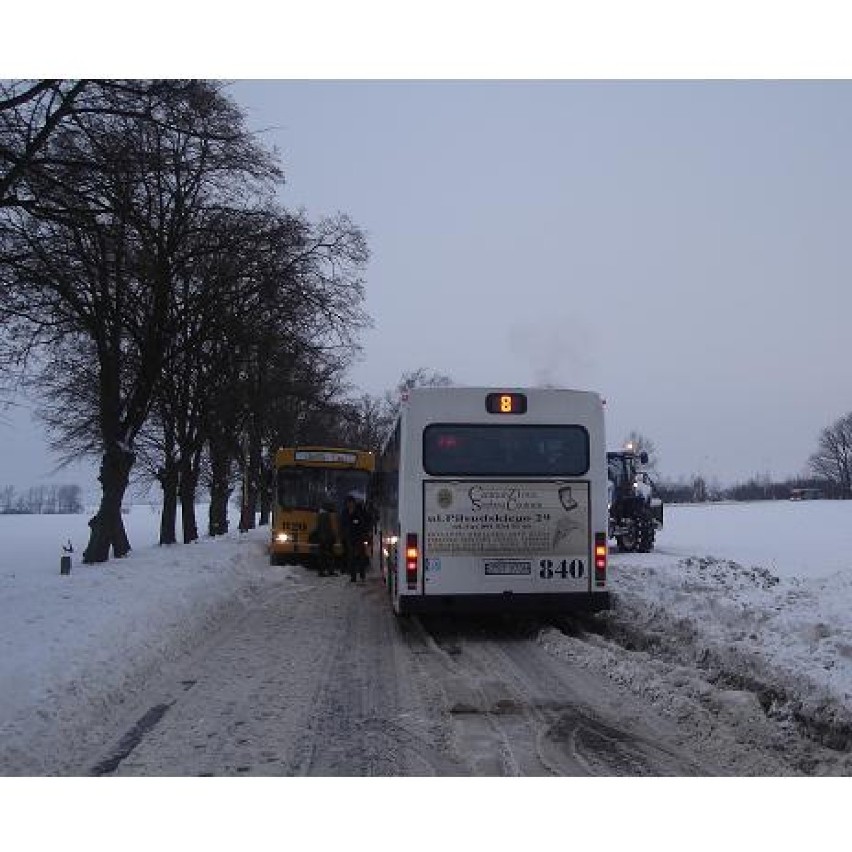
x: 635, y: 509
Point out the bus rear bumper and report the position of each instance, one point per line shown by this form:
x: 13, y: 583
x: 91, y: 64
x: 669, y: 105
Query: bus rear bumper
x: 506, y: 602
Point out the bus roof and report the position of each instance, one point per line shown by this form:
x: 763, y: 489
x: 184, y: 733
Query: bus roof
x: 320, y: 456
x: 473, y: 399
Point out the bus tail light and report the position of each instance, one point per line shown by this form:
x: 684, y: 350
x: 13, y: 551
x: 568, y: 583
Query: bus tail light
x: 411, y: 554
x: 600, y: 559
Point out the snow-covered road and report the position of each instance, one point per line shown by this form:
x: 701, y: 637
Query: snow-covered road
x: 317, y: 677
x: 312, y: 679
x: 203, y: 659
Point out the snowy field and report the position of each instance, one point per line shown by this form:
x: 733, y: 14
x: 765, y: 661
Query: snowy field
x: 809, y: 538
x: 758, y: 595
x: 761, y: 591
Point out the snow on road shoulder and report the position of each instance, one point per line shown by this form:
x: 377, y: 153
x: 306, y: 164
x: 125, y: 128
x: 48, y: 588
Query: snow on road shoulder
x: 798, y: 629
x: 74, y: 649
x: 770, y: 632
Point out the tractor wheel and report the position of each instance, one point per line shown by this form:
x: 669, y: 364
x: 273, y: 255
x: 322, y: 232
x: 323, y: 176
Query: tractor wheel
x: 627, y: 542
x: 644, y: 535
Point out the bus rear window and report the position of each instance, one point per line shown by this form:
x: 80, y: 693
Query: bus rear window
x: 467, y: 449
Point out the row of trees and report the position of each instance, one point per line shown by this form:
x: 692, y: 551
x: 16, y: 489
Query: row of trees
x: 173, y: 319
x: 832, y: 461
x: 697, y: 489
x: 41, y: 500
x: 830, y: 469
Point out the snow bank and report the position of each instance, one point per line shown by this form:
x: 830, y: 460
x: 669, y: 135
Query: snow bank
x: 73, y: 649
x: 758, y: 597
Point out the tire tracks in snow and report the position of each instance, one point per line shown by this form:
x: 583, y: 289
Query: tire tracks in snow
x: 372, y: 716
x: 542, y: 717
x: 313, y: 680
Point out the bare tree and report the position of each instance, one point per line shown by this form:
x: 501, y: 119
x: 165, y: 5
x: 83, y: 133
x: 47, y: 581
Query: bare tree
x: 833, y: 459
x: 94, y: 257
x: 640, y: 443
x: 7, y: 498
x: 30, y: 112
x: 699, y: 489
x: 157, y: 299
x: 68, y: 500
x: 311, y: 308
x: 366, y: 422
x: 206, y: 304
x: 263, y: 329
x: 422, y: 377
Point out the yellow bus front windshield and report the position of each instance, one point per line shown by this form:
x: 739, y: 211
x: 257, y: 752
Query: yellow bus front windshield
x: 307, y: 488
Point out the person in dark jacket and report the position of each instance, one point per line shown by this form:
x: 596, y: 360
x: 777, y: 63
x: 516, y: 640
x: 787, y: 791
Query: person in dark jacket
x: 355, y: 530
x: 326, y: 539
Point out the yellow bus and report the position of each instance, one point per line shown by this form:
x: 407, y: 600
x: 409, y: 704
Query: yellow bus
x: 305, y: 479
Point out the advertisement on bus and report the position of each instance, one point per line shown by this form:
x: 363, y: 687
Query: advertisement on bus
x: 538, y: 530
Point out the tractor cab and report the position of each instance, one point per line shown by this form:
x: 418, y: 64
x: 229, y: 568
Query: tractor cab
x: 635, y: 510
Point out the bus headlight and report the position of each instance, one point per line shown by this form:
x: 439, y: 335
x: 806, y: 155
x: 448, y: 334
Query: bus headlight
x: 282, y: 537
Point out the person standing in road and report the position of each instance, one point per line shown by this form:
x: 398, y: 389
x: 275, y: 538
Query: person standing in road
x: 355, y: 531
x: 325, y: 540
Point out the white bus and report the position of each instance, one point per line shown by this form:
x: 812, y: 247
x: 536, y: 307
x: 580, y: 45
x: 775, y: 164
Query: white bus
x: 494, y: 500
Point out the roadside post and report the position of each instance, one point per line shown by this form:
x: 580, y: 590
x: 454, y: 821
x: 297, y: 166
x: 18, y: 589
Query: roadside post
x: 65, y: 559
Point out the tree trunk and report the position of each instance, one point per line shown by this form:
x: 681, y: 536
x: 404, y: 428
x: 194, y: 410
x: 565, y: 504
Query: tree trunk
x: 187, y: 513
x: 107, y: 526
x: 265, y: 508
x: 168, y: 477
x: 253, y: 474
x: 246, y: 510
x: 188, y: 482
x: 250, y: 507
x: 265, y: 495
x: 217, y: 517
x: 220, y: 489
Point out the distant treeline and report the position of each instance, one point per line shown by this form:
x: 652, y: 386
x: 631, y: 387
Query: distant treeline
x: 41, y: 500
x: 760, y: 487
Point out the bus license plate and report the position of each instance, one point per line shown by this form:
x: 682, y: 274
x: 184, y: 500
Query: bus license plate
x: 504, y: 567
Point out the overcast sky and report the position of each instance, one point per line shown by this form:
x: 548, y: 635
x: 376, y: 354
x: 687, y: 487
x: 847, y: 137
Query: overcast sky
x: 682, y: 248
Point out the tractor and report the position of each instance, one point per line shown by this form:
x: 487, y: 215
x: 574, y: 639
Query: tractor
x: 635, y: 509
